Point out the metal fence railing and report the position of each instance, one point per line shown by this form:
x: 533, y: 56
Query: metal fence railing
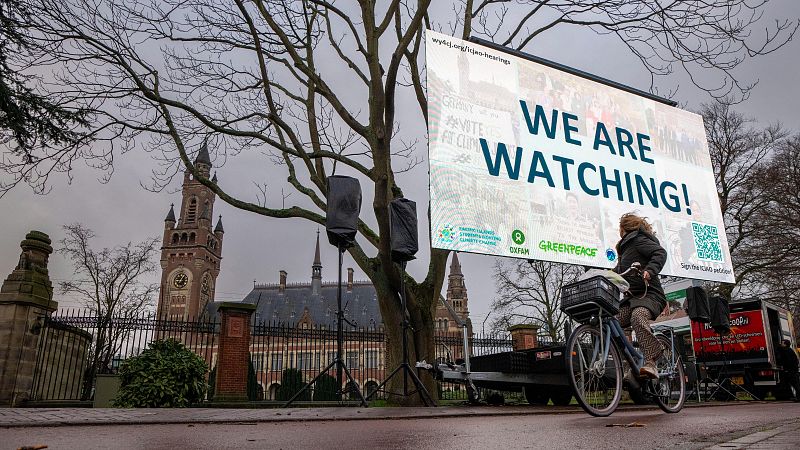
x: 77, y: 345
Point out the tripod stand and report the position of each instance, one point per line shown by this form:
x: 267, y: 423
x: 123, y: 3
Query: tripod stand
x: 405, y: 367
x: 724, y: 379
x: 338, y: 361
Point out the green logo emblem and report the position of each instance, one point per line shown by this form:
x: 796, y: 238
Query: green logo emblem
x: 518, y: 237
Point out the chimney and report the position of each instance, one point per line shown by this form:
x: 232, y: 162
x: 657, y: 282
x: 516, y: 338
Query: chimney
x: 350, y: 279
x: 283, y: 281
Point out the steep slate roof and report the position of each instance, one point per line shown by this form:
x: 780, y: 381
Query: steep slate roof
x: 170, y: 214
x: 202, y: 155
x: 361, y: 305
x: 455, y: 265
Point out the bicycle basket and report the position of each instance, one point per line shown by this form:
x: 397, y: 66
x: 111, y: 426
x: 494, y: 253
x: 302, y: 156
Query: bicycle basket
x: 582, y: 299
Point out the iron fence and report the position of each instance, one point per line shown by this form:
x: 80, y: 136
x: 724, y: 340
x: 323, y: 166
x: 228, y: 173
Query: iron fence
x: 77, y: 345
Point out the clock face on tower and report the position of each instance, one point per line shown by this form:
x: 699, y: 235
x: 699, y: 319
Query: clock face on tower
x: 180, y: 280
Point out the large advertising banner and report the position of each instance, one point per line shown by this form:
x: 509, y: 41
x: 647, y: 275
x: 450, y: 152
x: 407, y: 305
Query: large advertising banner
x: 533, y: 162
x: 745, y: 341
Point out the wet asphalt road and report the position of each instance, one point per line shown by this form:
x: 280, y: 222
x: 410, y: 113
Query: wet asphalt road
x: 697, y: 427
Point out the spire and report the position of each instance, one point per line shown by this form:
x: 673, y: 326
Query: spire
x: 317, y: 259
x: 202, y: 155
x: 455, y: 266
x: 171, y: 213
x: 214, y: 178
x: 316, y: 271
x: 218, y: 228
x: 456, y: 290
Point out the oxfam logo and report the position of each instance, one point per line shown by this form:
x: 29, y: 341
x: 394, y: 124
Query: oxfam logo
x: 518, y: 237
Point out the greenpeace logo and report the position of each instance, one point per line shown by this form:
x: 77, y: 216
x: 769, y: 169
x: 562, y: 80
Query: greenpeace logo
x: 569, y: 249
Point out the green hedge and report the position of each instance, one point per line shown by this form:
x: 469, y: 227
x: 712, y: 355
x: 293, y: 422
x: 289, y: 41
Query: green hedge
x: 167, y: 375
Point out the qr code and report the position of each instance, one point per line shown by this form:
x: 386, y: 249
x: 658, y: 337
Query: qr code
x: 706, y: 241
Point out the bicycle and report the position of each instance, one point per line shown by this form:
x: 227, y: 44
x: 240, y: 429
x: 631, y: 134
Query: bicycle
x: 593, y: 352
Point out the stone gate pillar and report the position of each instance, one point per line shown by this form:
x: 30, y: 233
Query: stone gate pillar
x: 26, y: 298
x: 234, y: 347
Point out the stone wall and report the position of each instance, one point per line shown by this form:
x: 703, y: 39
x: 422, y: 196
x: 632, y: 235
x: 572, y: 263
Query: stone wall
x: 61, y: 363
x: 20, y: 328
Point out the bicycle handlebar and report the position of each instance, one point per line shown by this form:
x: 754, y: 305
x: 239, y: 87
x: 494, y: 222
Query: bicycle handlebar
x: 636, y: 268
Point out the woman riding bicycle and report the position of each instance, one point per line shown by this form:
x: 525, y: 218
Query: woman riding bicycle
x: 646, y: 299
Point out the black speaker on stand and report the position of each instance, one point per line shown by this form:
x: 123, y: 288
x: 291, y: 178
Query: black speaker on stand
x: 341, y: 225
x: 404, y: 243
x: 721, y: 323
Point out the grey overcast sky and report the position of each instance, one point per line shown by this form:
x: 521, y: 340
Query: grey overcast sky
x: 256, y: 248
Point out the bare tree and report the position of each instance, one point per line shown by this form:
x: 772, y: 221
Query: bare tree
x: 530, y: 292
x: 740, y: 152
x: 316, y: 85
x: 781, y: 177
x: 108, y: 282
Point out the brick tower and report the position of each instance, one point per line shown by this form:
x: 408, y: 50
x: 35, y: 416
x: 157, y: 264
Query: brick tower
x: 456, y: 297
x: 191, y: 253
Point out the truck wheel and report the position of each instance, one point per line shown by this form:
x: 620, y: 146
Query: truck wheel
x: 536, y: 395
x: 561, y: 396
x: 495, y: 399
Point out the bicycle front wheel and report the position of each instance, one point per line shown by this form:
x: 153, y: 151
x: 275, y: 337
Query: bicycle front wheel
x: 595, y: 372
x: 671, y: 384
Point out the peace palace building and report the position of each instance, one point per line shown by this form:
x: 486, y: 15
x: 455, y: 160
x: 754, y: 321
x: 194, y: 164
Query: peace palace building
x: 190, y: 260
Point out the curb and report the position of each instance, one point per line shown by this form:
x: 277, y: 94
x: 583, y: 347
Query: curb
x: 284, y: 416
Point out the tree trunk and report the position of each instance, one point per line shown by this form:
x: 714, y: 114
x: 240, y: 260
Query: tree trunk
x: 421, y: 345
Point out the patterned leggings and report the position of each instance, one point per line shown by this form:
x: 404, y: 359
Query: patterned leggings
x: 639, y: 320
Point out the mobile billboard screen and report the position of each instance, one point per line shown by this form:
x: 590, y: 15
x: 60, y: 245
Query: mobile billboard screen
x: 746, y: 340
x: 534, y: 162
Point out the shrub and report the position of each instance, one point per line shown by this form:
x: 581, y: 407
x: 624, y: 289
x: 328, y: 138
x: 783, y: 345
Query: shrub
x: 325, y: 389
x: 291, y: 382
x: 166, y: 375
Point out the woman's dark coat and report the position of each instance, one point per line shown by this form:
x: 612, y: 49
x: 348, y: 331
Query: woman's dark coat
x: 642, y: 247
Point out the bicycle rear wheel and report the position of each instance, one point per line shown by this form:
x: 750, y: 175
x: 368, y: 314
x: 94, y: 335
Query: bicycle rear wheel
x: 595, y: 379
x: 671, y: 384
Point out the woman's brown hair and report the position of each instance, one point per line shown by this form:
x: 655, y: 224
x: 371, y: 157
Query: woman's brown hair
x: 631, y: 222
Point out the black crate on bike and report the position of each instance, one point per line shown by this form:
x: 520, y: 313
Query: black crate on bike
x: 580, y: 300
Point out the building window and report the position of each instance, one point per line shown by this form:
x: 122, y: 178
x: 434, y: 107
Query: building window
x: 351, y: 360
x: 371, y: 359
x: 259, y: 361
x: 192, y: 211
x: 304, y: 360
x: 276, y: 362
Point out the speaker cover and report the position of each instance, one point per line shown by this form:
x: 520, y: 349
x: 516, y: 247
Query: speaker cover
x: 344, y: 207
x: 697, y: 305
x: 403, y: 220
x: 720, y: 314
